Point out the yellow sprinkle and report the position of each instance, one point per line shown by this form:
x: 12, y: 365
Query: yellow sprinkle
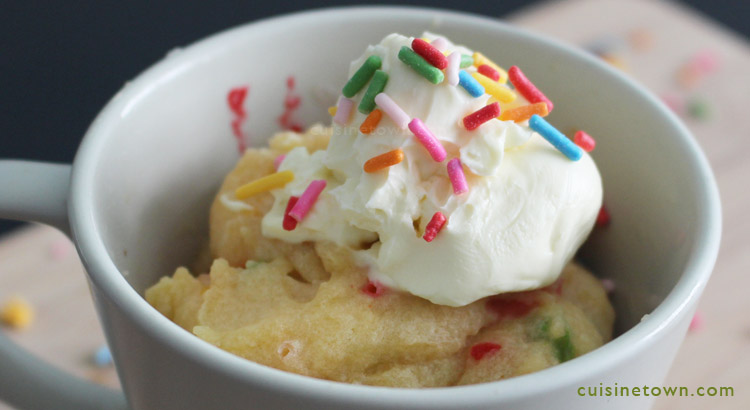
x: 495, y: 89
x: 425, y: 39
x: 266, y: 183
x: 480, y: 59
x: 332, y: 110
x: 17, y: 313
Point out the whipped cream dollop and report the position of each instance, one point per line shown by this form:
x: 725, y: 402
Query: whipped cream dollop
x: 527, y: 211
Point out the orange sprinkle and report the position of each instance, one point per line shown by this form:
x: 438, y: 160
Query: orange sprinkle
x: 371, y: 122
x: 524, y: 112
x: 386, y: 160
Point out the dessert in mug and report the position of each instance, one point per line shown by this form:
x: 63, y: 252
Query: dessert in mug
x: 424, y: 239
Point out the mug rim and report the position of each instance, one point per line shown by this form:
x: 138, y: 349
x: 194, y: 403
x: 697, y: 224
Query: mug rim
x: 102, y: 271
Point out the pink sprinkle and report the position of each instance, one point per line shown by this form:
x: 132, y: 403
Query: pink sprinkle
x: 434, y: 226
x: 440, y: 43
x: 454, y: 66
x: 392, y: 109
x: 479, y: 350
x: 307, y: 200
x: 373, y: 289
x: 674, y: 102
x: 456, y: 174
x: 289, y: 223
x: 236, y: 100
x: 696, y: 324
x: 292, y: 102
x: 428, y: 140
x: 526, y: 88
x: 608, y: 285
x: 277, y: 161
x: 584, y: 141
x: 343, y: 111
x: 705, y: 61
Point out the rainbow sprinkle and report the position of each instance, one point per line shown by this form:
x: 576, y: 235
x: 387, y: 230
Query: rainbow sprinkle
x: 289, y: 223
x: 383, y: 161
x: 495, y: 89
x: 263, y: 184
x: 480, y: 60
x: 470, y: 84
x: 524, y: 112
x: 488, y: 72
x: 555, y: 137
x: 376, y: 86
x: 482, y: 115
x: 396, y: 114
x: 451, y: 72
x: 526, y: 88
x: 430, y: 53
x: 420, y: 65
x: 361, y: 76
x: 434, y: 226
x: 371, y: 122
x: 457, y: 177
x: 307, y: 200
x: 343, y: 111
x: 428, y: 140
x: 584, y: 140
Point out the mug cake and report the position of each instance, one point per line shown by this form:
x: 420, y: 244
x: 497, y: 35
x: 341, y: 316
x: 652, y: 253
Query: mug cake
x: 424, y: 239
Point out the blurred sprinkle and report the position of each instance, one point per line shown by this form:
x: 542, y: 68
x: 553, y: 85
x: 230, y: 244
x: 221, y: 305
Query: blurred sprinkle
x: 641, y: 39
x: 608, y: 285
x: 102, y: 356
x: 699, y: 109
x: 60, y: 249
x: 17, y: 313
x: 697, y: 323
x: 674, y: 102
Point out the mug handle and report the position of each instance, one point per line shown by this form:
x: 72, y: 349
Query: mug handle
x: 36, y: 191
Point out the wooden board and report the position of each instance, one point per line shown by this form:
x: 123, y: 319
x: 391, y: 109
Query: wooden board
x: 39, y: 263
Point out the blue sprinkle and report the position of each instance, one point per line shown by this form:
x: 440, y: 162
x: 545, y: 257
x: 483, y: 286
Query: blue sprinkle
x: 469, y: 84
x: 103, y: 357
x: 555, y: 137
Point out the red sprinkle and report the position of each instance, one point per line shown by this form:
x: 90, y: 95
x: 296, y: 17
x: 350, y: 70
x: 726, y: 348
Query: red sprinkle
x: 526, y: 88
x: 696, y: 324
x: 373, y: 289
x: 430, y: 53
x: 289, y: 223
x: 479, y: 350
x: 603, y: 218
x: 434, y: 226
x: 585, y: 141
x: 236, y: 100
x: 514, y: 308
x: 291, y: 104
x: 482, y: 115
x: 488, y: 72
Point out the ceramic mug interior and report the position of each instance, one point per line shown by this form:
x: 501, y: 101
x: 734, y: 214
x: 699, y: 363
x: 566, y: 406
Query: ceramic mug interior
x: 155, y: 157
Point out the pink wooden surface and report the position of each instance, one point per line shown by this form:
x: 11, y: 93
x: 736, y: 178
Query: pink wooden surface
x: 39, y: 263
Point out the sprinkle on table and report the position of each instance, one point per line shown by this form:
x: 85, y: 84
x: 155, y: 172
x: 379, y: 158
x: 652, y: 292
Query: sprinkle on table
x: 383, y: 161
x: 263, y: 184
x: 428, y: 140
x: 555, y: 137
x: 457, y: 177
x: 371, y: 122
x: 470, y: 84
x: 289, y: 223
x: 466, y: 61
x: 343, y: 111
x: 495, y: 89
x: 307, y: 199
x: 480, y: 60
x: 17, y: 313
x: 430, y: 53
x: 376, y: 86
x: 396, y: 114
x: 488, y: 72
x: 482, y: 115
x: 434, y: 226
x: 524, y: 112
x: 584, y: 140
x: 526, y: 88
x: 451, y: 72
x: 480, y: 350
x: 361, y: 76
x: 420, y: 65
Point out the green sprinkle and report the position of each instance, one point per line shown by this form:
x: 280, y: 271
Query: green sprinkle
x: 376, y: 87
x: 564, y: 347
x: 362, y: 76
x: 420, y: 65
x: 699, y: 109
x: 466, y: 60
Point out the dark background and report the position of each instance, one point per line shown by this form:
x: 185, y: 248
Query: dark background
x: 61, y: 61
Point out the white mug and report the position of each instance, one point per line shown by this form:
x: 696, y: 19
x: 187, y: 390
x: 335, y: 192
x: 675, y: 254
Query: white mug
x: 136, y: 197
